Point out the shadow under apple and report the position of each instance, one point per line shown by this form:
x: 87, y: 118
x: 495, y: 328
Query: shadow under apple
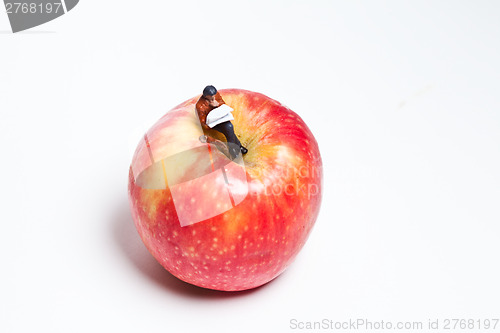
x: 126, y: 238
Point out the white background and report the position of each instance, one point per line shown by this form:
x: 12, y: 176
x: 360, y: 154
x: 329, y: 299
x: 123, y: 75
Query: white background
x: 402, y: 96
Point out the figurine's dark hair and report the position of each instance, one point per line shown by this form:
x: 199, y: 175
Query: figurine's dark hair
x: 209, y: 91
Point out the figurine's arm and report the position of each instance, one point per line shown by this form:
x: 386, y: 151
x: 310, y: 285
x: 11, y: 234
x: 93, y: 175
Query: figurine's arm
x: 203, y: 118
x: 219, y: 99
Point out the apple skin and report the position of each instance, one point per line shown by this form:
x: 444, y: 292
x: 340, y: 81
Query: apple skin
x: 253, y: 242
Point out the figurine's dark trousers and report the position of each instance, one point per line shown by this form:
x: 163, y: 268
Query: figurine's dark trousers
x: 234, y: 144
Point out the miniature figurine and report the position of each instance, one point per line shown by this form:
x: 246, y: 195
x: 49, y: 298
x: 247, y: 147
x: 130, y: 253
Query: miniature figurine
x: 219, y: 120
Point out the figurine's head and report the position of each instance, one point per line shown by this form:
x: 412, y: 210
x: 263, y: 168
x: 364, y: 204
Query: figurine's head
x: 209, y: 94
x: 209, y: 91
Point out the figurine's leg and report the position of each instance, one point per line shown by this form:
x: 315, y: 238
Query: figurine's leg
x: 227, y: 129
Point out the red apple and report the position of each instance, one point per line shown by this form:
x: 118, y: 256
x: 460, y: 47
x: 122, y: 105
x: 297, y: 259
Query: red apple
x: 222, y: 224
